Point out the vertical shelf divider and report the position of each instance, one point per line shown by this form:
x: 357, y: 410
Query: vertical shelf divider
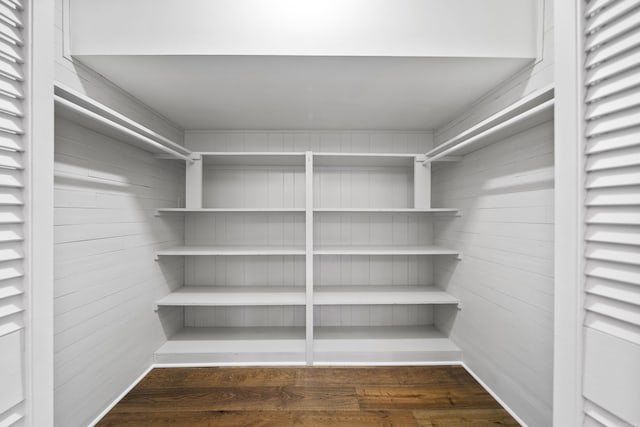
x: 421, y: 183
x: 308, y: 179
x: 193, y: 182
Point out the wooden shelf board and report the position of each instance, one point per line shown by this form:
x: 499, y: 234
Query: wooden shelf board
x: 363, y: 159
x: 225, y: 210
x: 253, y: 158
x: 211, y: 296
x: 234, y: 345
x: 383, y: 344
x: 384, y: 250
x: 230, y: 251
x: 383, y: 295
x: 387, y: 210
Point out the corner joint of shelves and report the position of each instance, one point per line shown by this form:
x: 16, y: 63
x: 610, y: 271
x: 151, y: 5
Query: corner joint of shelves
x: 459, y: 256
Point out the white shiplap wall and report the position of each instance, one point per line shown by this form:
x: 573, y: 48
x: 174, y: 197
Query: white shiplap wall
x: 106, y: 280
x: 283, y: 186
x: 505, y: 281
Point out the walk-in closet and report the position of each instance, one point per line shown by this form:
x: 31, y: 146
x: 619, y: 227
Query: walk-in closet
x: 213, y: 207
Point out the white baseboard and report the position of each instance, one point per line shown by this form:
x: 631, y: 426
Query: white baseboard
x: 495, y: 396
x: 121, y: 396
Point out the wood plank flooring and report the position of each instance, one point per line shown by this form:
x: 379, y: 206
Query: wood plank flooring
x: 425, y: 396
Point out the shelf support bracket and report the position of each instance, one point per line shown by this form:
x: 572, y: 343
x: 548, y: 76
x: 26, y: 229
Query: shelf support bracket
x: 421, y: 183
x: 193, y: 183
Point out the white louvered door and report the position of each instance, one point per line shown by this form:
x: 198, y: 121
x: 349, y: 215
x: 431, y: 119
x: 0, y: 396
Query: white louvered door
x: 12, y: 287
x: 611, y: 379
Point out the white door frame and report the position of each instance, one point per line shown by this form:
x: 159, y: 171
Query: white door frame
x: 39, y: 135
x: 569, y: 227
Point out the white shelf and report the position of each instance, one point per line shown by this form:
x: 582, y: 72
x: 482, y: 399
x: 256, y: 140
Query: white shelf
x: 385, y: 250
x: 364, y: 159
x: 181, y: 211
x: 383, y: 295
x: 387, y: 210
x: 253, y: 158
x: 230, y: 251
x: 383, y: 344
x: 211, y: 296
x: 235, y: 345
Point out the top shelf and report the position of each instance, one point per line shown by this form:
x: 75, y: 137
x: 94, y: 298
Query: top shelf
x: 253, y: 158
x: 298, y: 159
x: 364, y: 159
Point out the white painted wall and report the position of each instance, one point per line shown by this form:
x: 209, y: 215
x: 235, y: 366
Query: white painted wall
x: 505, y: 282
x: 438, y: 28
x: 86, y: 81
x: 106, y: 279
x: 536, y: 76
x: 106, y: 235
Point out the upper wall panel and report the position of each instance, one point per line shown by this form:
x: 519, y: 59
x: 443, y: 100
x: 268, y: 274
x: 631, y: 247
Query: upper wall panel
x: 422, y: 28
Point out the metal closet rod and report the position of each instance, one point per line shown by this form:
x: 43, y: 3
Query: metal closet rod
x: 518, y: 118
x: 111, y: 123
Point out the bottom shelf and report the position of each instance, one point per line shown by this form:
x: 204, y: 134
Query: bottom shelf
x: 260, y: 345
x: 383, y: 344
x: 332, y: 345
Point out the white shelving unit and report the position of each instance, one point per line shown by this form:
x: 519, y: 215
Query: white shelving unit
x: 266, y: 267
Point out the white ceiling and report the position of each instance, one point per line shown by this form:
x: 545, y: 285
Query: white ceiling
x: 311, y: 92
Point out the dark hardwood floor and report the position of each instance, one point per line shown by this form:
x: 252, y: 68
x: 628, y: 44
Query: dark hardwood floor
x: 426, y: 396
